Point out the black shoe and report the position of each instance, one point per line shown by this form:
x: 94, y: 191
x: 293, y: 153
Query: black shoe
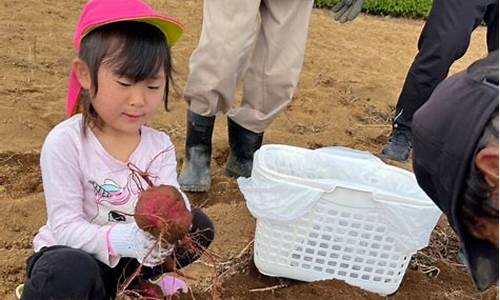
x: 243, y: 143
x: 399, y: 145
x: 195, y: 175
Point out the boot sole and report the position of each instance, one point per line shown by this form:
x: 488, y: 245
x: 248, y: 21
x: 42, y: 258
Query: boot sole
x: 390, y: 157
x: 19, y: 291
x: 234, y: 174
x: 231, y: 169
x: 394, y: 156
x: 194, y: 188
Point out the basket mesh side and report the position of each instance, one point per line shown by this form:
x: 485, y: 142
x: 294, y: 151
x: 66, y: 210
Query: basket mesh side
x: 333, y: 241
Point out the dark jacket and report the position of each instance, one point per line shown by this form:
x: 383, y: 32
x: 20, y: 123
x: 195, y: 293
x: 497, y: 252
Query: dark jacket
x: 446, y: 131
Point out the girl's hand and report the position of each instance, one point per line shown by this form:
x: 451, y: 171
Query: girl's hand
x: 172, y: 285
x: 128, y: 240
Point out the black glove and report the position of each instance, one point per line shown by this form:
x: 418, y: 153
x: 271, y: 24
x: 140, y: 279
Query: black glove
x: 347, y: 10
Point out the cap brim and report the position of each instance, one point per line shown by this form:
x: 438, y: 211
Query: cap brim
x: 169, y: 26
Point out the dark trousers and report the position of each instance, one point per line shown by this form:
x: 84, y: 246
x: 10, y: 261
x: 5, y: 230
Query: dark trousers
x: 64, y: 273
x: 444, y: 39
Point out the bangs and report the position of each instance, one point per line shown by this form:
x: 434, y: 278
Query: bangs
x: 138, y: 51
x: 135, y: 50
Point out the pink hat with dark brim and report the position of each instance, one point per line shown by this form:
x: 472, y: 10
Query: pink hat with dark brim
x: 101, y: 12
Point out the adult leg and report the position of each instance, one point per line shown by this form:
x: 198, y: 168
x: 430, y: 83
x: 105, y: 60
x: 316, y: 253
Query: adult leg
x: 227, y: 38
x: 271, y: 78
x: 60, y: 272
x: 491, y: 20
x: 444, y: 39
x: 275, y: 64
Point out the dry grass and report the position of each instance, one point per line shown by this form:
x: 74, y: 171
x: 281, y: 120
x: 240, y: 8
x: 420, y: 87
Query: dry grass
x: 443, y: 247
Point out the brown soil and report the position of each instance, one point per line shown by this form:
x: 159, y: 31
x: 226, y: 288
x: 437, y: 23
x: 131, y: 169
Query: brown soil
x: 351, y: 78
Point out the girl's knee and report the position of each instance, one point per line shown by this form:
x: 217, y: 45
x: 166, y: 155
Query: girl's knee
x: 202, y: 225
x: 63, y: 273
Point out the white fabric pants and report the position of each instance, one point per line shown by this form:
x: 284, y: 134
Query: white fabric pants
x: 261, y: 42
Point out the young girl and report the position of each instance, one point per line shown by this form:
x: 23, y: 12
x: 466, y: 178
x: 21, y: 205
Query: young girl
x: 92, y: 163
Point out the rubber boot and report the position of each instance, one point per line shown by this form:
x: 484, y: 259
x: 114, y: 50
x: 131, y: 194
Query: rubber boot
x: 195, y: 175
x: 242, y: 143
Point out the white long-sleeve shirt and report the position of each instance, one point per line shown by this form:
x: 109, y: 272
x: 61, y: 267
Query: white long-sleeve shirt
x: 87, y: 190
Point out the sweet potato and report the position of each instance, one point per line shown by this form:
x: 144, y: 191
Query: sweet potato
x: 162, y: 212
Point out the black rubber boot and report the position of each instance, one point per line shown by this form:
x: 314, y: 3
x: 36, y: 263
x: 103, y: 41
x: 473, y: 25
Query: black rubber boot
x: 243, y: 143
x: 195, y: 175
x: 399, y: 145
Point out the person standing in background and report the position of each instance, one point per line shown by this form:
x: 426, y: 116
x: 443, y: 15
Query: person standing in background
x: 444, y: 39
x: 261, y: 43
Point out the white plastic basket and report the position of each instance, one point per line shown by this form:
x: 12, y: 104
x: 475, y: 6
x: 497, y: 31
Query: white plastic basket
x: 349, y: 233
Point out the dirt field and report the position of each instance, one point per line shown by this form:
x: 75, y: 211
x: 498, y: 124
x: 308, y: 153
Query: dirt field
x: 351, y: 77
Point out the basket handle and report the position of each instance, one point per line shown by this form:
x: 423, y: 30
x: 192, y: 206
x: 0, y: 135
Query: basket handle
x: 349, y: 153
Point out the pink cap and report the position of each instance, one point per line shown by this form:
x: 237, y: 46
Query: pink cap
x: 100, y: 12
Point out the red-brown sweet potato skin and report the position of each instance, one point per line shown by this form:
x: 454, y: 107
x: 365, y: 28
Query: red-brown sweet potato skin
x: 148, y: 290
x: 162, y: 212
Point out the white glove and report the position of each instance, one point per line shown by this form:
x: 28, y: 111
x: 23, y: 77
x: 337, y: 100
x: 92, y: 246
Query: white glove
x: 128, y: 240
x: 347, y: 10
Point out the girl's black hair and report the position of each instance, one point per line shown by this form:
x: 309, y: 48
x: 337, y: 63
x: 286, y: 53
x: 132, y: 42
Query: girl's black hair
x: 134, y: 50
